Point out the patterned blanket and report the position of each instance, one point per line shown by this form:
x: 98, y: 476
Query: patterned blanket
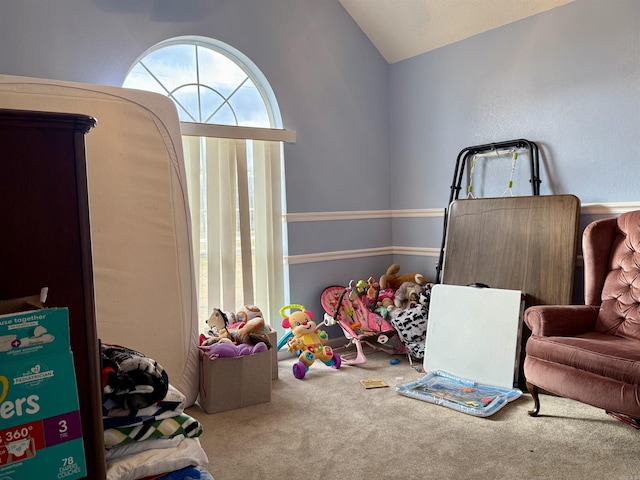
x: 181, y: 424
x: 170, y: 406
x: 131, y: 380
x: 138, y: 402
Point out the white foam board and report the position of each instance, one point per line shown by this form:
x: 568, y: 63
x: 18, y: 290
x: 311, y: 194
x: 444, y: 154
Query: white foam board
x: 474, y: 333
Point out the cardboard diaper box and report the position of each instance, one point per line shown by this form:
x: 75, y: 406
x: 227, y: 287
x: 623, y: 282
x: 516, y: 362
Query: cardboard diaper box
x: 40, y: 429
x: 235, y: 382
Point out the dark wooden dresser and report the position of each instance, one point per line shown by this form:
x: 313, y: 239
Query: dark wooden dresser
x: 45, y: 241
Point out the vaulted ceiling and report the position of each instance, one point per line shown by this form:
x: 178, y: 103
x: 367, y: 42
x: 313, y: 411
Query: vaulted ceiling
x: 401, y: 29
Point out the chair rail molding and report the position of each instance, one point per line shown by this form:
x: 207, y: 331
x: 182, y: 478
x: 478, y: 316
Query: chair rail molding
x: 608, y: 208
x: 612, y: 208
x: 362, y: 252
x: 363, y: 215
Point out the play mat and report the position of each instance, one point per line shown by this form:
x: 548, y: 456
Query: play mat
x: 459, y: 394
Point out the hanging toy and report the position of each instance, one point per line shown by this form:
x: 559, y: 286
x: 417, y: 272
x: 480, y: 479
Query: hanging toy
x: 513, y: 169
x: 308, y: 340
x: 471, y: 170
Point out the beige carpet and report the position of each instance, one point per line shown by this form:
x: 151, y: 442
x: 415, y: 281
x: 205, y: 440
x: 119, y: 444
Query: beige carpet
x: 328, y: 426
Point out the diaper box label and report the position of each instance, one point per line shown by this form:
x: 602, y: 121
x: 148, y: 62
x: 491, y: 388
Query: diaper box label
x: 40, y: 429
x: 36, y: 332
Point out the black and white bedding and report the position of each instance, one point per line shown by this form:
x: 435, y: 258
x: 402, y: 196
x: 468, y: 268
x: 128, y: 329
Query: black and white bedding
x: 146, y: 432
x: 411, y: 325
x: 130, y: 379
x: 172, y: 404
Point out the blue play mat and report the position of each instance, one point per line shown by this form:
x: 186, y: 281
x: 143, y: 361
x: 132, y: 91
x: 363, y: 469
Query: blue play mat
x: 459, y: 394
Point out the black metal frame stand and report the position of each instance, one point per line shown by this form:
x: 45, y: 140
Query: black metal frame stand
x: 458, y: 174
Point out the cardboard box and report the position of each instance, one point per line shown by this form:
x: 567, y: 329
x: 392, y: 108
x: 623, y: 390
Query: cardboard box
x: 236, y: 382
x: 273, y: 338
x: 41, y: 435
x: 23, y: 304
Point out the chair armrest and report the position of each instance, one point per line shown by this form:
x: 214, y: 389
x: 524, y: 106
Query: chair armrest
x: 561, y: 320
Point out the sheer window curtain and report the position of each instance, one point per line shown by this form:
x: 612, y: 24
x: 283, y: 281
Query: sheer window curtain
x: 235, y: 195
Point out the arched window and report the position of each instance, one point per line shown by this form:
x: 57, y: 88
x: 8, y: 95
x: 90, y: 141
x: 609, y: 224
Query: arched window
x: 232, y: 141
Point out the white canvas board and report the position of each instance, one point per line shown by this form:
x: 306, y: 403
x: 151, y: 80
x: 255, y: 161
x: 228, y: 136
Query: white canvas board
x: 474, y: 333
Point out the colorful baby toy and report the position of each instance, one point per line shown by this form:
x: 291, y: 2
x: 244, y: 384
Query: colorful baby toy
x: 308, y: 340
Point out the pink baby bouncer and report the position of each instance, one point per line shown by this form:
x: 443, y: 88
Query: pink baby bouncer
x: 351, y: 308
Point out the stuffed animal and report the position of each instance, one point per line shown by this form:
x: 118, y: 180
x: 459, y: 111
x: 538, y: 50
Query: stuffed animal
x: 227, y: 350
x: 308, y: 340
x: 246, y: 313
x: 408, y: 295
x: 386, y: 294
x: 385, y: 302
x: 372, y: 292
x: 245, y: 326
x: 391, y: 279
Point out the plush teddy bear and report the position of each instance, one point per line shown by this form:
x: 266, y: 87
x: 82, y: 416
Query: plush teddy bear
x: 408, y: 295
x: 391, y: 279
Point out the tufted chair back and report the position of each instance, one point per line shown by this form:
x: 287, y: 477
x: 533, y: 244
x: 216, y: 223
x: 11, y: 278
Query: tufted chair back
x: 611, y: 250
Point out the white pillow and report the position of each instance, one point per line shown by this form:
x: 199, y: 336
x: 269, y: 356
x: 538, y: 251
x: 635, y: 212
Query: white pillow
x: 152, y: 444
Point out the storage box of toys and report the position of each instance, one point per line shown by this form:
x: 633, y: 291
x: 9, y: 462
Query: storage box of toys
x: 41, y: 433
x: 238, y: 360
x: 227, y: 383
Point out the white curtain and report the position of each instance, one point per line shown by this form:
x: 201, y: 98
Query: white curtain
x: 236, y: 211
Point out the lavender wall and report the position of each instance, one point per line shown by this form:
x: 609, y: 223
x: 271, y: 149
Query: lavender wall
x: 567, y: 79
x: 330, y: 82
x: 372, y: 136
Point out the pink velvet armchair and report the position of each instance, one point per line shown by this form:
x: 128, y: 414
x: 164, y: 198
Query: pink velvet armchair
x: 591, y: 353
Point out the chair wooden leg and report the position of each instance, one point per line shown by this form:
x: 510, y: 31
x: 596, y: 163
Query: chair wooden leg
x: 533, y: 390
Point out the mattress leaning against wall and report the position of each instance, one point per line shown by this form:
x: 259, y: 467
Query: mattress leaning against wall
x: 143, y: 260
